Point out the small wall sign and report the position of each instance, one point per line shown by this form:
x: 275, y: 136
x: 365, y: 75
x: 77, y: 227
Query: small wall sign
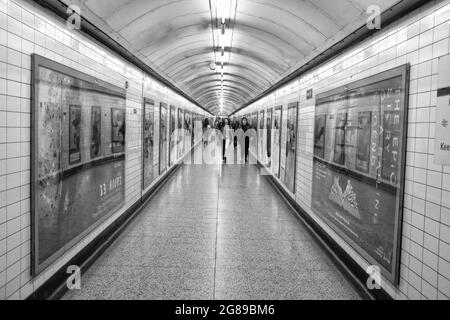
x: 309, y: 94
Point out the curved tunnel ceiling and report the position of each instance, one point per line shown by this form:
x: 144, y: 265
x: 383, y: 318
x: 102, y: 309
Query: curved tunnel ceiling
x: 269, y: 39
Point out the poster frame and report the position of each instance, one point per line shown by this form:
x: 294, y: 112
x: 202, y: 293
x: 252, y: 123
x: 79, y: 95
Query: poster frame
x: 404, y: 72
x: 172, y: 129
x: 166, y: 164
x: 257, y: 136
x: 279, y: 108
x: 144, y: 110
x: 254, y: 123
x: 193, y: 118
x: 269, y: 111
x: 99, y: 86
x: 179, y: 127
x: 261, y: 117
x: 292, y: 105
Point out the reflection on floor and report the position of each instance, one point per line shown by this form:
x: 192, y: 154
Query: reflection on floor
x: 215, y: 232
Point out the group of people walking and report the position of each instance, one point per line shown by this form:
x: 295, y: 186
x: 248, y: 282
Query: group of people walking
x: 228, y: 129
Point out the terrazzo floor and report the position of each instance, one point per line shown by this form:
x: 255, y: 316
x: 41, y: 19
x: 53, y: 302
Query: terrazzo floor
x: 217, y: 232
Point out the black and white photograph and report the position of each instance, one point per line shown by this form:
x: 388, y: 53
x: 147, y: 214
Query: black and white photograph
x: 224, y: 159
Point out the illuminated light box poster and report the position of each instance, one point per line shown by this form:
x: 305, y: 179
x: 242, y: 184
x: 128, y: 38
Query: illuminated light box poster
x: 148, y: 141
x: 196, y: 128
x: 359, y: 160
x: 277, y: 141
x: 198, y: 125
x: 199, y: 128
x: 269, y: 137
x: 261, y: 132
x: 193, y: 118
x: 180, y: 140
x: 254, y: 121
x: 187, y: 132
x: 163, y: 138
x: 291, y: 146
x: 172, y: 137
x: 78, y: 159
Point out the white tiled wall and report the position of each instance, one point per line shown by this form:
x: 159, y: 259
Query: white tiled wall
x: 419, y: 39
x: 26, y: 28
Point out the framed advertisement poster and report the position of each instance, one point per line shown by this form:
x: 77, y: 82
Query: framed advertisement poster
x: 180, y: 136
x: 269, y: 125
x: 254, y: 121
x: 254, y: 138
x: 277, y: 118
x: 359, y: 162
x: 148, y: 133
x: 173, y: 136
x: 198, y: 128
x: 78, y: 180
x: 187, y: 132
x: 192, y: 128
x: 261, y: 132
x: 291, y: 147
x: 162, y: 138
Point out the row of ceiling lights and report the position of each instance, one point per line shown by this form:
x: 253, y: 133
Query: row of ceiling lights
x: 225, y: 11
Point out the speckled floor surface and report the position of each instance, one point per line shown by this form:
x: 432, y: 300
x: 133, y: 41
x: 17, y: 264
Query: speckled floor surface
x: 215, y: 232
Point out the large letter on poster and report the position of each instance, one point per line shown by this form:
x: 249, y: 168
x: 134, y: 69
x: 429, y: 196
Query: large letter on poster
x: 77, y: 179
x: 359, y: 160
